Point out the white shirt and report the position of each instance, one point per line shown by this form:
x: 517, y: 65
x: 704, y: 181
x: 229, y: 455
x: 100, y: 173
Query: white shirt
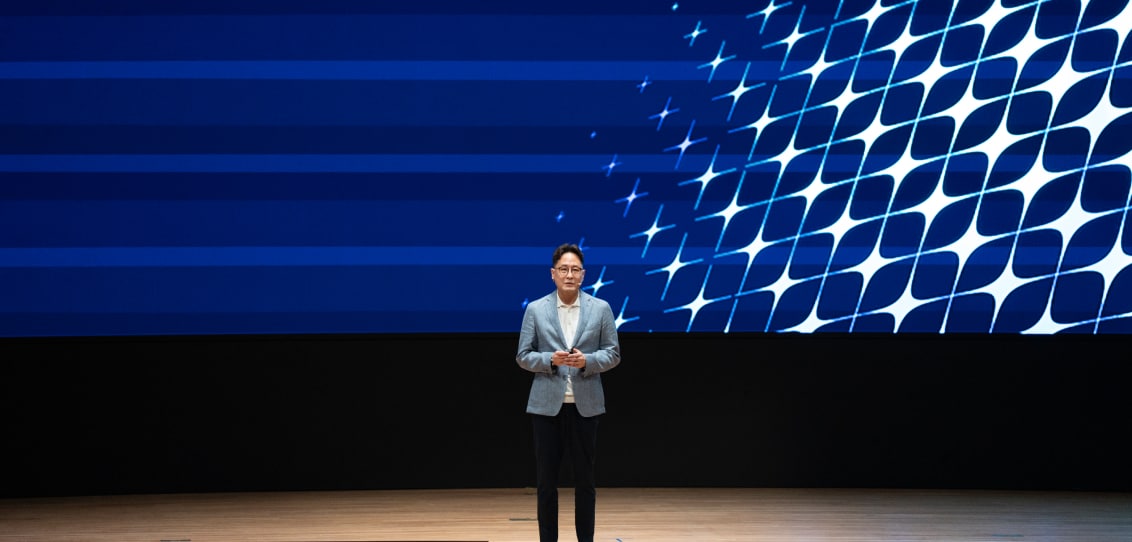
x: 568, y: 318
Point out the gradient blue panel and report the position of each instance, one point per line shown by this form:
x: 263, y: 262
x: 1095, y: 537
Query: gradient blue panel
x: 341, y: 167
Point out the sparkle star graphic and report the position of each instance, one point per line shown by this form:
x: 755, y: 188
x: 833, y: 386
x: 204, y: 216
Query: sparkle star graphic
x: 738, y: 92
x: 707, y: 177
x: 621, y: 315
x: 794, y: 36
x: 664, y: 113
x: 695, y: 305
x: 684, y: 145
x: 608, y: 168
x: 652, y: 231
x: 765, y: 13
x: 729, y: 212
x: 716, y: 62
x: 593, y: 288
x: 675, y: 265
x: 695, y: 33
x: 633, y: 196
x: 644, y: 84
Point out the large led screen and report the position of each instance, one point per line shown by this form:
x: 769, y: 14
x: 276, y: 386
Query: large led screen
x: 262, y: 167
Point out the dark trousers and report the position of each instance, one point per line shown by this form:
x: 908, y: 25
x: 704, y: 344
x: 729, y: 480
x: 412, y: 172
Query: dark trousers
x: 555, y: 436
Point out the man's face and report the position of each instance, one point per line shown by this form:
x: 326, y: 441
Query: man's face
x: 568, y: 273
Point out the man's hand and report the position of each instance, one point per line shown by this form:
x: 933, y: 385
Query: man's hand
x: 575, y: 358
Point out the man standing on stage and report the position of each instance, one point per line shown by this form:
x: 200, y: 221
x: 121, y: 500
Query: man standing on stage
x: 567, y: 340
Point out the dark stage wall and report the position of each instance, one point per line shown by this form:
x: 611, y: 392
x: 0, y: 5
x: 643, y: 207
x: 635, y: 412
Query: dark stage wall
x: 238, y: 413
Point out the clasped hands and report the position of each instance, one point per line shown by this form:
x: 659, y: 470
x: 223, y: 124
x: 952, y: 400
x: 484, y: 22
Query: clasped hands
x: 574, y: 358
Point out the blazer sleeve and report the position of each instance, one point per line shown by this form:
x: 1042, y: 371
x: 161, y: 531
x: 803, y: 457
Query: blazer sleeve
x: 529, y: 356
x: 608, y: 353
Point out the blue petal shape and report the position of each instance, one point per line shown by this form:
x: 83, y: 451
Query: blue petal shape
x: 1057, y: 18
x: 1114, y: 142
x: 827, y: 207
x: 816, y: 127
x: 1051, y: 201
x: 800, y: 172
x: 842, y: 161
x: 769, y: 265
x: 1119, y: 299
x: 1077, y: 297
x: 961, y: 45
x: 1080, y: 99
x: 873, y: 70
x: 846, y: 40
x: 887, y: 150
x: 951, y: 223
x: 902, y: 103
x: 1066, y: 149
x: 875, y: 323
x: 1037, y: 253
x: 1097, y: 13
x: 871, y: 197
x: 985, y: 264
x: 966, y: 173
x: 947, y: 91
x: 935, y: 274
x: 856, y: 245
x: 994, y: 78
x: 931, y: 16
x: 752, y: 311
x: 1121, y: 88
x: 795, y: 305
x: 1044, y: 64
x: 774, y: 138
x: 1092, y: 242
x: 1029, y: 112
x: 1000, y: 212
x: 790, y: 96
x: 839, y: 295
x: 831, y: 83
x: 1015, y: 161
x: 1095, y: 50
x: 1008, y: 32
x: 811, y: 256
x: 980, y: 125
x: 902, y: 235
x: 887, y: 285
x: 970, y: 313
x: 889, y: 26
x: 1023, y: 307
x: 933, y: 137
x: 1105, y: 188
x: 858, y: 115
x: 917, y: 185
x: 917, y: 58
x: 927, y: 318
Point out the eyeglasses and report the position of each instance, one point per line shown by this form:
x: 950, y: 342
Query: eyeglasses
x: 569, y: 270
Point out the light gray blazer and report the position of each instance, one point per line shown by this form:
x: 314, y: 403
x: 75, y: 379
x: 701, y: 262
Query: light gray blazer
x: 541, y: 335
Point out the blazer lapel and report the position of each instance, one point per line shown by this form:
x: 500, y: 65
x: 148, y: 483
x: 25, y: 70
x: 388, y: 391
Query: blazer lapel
x: 583, y: 312
x: 552, y: 316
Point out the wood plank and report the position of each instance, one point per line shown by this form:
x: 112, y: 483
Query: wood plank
x: 624, y: 514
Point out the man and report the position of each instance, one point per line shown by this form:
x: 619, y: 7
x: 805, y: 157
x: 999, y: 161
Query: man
x: 567, y: 340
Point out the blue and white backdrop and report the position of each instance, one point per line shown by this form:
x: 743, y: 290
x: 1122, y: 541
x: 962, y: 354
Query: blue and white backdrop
x: 744, y: 166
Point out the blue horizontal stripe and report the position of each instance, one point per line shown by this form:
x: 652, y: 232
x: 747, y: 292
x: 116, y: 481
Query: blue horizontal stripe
x: 262, y: 256
x: 390, y: 70
x: 333, y: 163
x: 338, y: 256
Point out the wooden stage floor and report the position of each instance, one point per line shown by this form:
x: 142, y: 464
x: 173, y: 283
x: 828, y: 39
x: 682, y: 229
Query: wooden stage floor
x: 624, y: 515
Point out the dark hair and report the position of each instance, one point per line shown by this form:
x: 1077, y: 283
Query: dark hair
x: 563, y: 249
